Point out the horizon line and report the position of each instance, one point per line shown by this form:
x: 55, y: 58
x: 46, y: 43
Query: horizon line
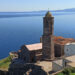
x: 38, y: 10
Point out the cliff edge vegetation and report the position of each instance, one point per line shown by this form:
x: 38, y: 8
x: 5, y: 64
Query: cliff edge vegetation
x: 4, y: 63
x: 67, y: 71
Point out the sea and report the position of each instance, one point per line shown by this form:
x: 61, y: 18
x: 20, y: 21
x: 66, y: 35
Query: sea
x: 23, y: 28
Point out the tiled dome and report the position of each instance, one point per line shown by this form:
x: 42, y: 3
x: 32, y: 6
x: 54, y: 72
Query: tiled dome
x: 48, y: 14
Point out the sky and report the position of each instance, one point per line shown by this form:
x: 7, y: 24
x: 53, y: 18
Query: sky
x: 35, y: 5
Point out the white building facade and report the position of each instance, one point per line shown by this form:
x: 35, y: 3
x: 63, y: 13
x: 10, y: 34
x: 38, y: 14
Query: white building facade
x: 69, y: 49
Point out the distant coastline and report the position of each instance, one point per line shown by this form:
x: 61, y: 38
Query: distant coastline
x: 36, y: 13
x: 44, y: 11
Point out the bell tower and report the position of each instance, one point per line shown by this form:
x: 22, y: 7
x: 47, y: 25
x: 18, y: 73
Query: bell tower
x: 47, y: 38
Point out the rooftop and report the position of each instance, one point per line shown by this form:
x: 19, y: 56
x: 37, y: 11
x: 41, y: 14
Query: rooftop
x: 46, y: 65
x: 71, y: 64
x: 73, y: 43
x: 59, y: 62
x: 71, y: 58
x: 62, y: 41
x: 36, y: 46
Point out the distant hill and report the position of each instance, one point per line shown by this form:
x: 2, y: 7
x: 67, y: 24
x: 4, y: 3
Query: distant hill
x: 44, y: 11
x: 64, y: 10
x: 34, y: 13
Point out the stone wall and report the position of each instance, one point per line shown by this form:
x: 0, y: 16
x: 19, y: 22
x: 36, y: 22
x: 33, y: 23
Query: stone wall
x: 36, y: 55
x: 48, y: 47
x: 26, y: 69
x: 24, y: 54
x: 4, y: 72
x: 59, y: 50
x: 57, y: 65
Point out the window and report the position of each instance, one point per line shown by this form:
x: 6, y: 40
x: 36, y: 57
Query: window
x: 67, y: 49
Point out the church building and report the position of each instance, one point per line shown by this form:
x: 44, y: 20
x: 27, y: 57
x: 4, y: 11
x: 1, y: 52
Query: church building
x: 50, y: 46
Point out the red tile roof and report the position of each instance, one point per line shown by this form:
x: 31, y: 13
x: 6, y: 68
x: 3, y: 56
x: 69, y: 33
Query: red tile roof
x: 62, y: 41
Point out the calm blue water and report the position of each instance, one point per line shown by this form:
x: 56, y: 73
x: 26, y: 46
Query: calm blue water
x: 28, y: 28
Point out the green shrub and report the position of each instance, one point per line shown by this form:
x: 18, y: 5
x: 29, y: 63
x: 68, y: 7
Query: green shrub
x: 67, y: 71
x: 8, y: 59
x: 72, y: 73
x: 73, y: 70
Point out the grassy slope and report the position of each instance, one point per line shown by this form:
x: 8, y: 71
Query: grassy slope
x: 64, y: 74
x: 4, y: 63
x: 72, y: 74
